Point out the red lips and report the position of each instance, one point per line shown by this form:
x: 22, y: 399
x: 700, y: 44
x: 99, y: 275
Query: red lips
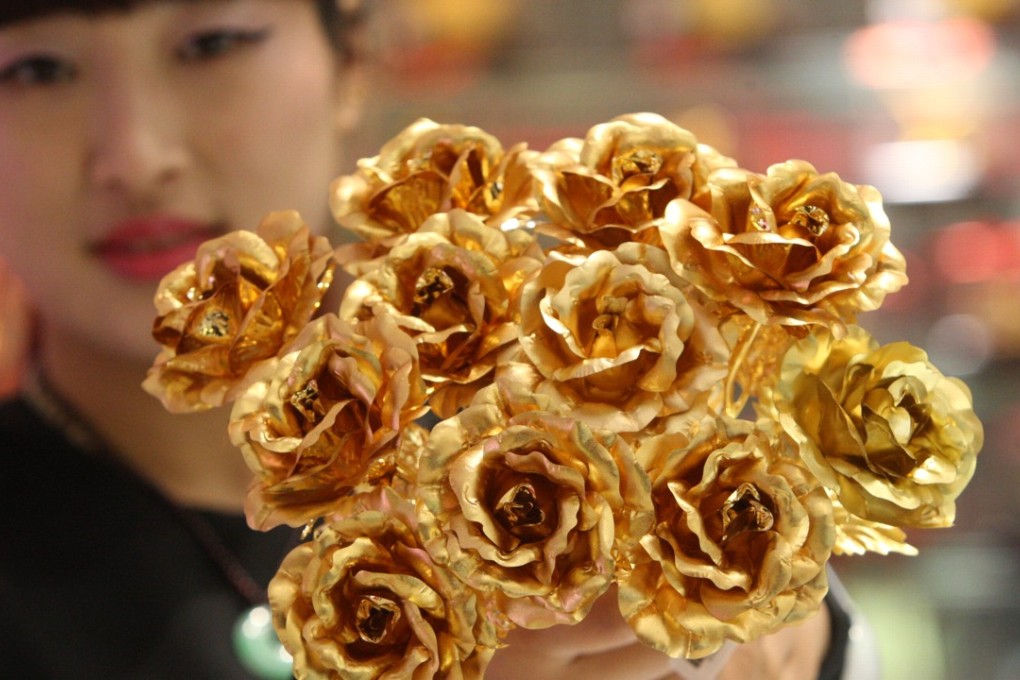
x: 146, y: 249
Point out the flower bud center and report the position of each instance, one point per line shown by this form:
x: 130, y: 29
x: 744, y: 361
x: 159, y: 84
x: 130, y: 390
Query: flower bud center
x: 610, y: 308
x: 495, y: 191
x: 744, y: 511
x: 812, y: 218
x: 605, y: 324
x: 304, y: 399
x: 215, y: 324
x: 520, y: 513
x: 637, y: 162
x: 377, y: 618
x: 612, y: 304
x: 431, y: 285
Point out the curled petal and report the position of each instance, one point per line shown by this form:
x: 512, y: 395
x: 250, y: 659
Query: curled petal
x: 452, y: 285
x: 614, y: 185
x: 239, y: 302
x: 430, y: 168
x: 857, y: 536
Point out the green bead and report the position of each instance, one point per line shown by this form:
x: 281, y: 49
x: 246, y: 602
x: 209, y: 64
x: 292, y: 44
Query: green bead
x: 257, y: 646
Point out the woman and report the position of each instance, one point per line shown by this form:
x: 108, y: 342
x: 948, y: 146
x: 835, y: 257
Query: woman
x: 129, y: 133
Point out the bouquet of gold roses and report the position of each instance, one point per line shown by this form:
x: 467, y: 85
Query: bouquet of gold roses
x: 622, y: 361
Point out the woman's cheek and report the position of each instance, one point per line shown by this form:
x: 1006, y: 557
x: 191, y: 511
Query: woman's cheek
x: 290, y: 153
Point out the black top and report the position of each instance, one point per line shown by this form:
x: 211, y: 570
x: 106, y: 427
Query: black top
x: 101, y: 577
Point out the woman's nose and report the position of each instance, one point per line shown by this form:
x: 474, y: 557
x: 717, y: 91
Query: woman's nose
x: 137, y: 147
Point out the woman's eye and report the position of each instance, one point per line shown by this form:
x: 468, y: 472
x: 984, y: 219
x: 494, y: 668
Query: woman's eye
x: 212, y: 44
x: 37, y: 70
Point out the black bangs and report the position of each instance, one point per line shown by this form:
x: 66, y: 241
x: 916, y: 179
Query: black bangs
x: 20, y: 10
x: 340, y: 19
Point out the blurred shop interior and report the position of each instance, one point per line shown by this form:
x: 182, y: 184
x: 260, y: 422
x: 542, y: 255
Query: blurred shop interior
x: 920, y: 98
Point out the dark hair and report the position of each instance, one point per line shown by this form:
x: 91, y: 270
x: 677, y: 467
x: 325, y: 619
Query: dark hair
x: 338, y: 18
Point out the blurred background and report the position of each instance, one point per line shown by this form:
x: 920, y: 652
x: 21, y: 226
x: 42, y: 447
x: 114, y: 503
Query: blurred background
x: 916, y: 97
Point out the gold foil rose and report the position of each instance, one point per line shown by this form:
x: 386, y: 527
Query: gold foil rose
x: 616, y: 339
x: 894, y: 439
x: 326, y: 419
x: 452, y: 285
x: 363, y: 600
x: 239, y: 302
x: 529, y: 507
x: 741, y: 537
x: 427, y: 169
x: 791, y: 247
x: 614, y: 185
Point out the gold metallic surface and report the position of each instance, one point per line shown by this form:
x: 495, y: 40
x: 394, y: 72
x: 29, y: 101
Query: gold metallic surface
x: 741, y: 537
x: 430, y: 168
x: 362, y: 600
x: 790, y: 247
x: 453, y: 285
x: 614, y: 185
x: 532, y: 507
x: 616, y: 339
x: 240, y: 301
x: 326, y: 418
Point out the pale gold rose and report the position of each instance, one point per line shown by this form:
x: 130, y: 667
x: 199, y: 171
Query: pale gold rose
x: 531, y: 507
x: 430, y: 168
x: 791, y: 247
x: 616, y: 339
x: 895, y: 439
x: 327, y: 418
x: 452, y: 285
x: 741, y: 537
x: 239, y: 302
x: 364, y: 600
x: 614, y: 185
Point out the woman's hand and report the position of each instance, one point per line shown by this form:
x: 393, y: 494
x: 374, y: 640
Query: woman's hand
x: 603, y: 646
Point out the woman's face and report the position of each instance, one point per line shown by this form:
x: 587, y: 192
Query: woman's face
x: 127, y: 139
